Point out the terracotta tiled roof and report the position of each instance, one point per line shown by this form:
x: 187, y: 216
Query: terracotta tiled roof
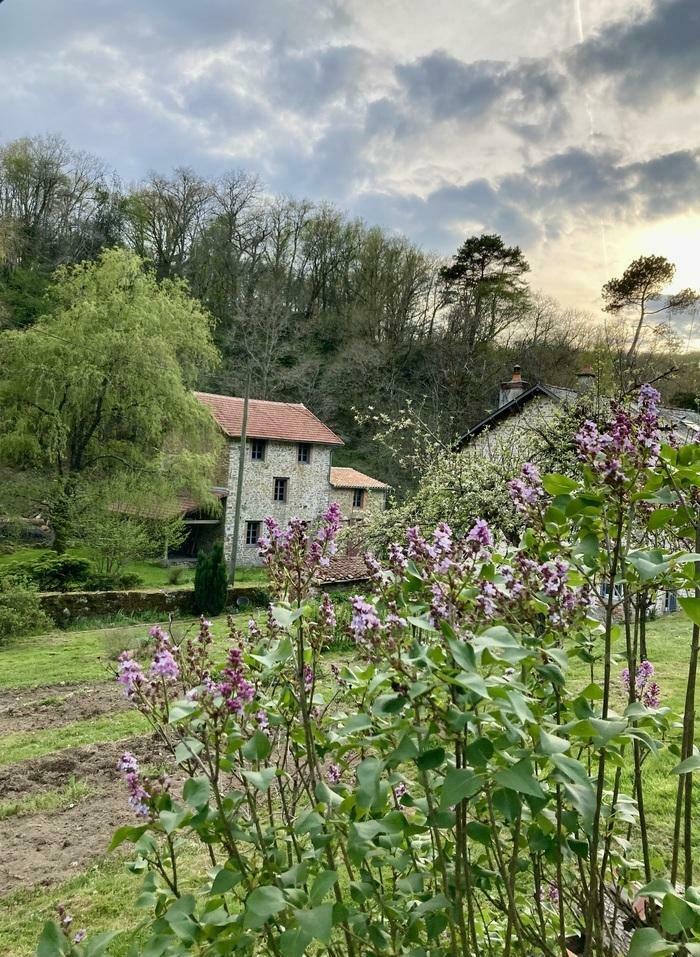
x: 351, y: 478
x: 285, y: 421
x: 345, y: 568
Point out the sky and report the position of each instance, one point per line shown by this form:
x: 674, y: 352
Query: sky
x: 571, y: 127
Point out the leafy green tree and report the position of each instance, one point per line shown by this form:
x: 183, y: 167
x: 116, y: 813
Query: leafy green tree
x: 101, y: 387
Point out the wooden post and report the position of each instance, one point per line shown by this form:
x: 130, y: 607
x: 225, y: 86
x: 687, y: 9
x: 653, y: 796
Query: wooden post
x: 239, y: 486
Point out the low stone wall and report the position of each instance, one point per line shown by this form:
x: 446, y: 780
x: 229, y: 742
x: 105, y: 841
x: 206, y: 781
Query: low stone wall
x: 66, y: 606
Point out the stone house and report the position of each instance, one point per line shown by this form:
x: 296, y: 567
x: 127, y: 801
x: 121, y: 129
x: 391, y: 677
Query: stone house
x: 523, y: 409
x: 287, y: 473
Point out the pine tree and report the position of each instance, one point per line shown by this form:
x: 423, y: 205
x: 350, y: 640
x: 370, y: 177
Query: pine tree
x: 211, y: 582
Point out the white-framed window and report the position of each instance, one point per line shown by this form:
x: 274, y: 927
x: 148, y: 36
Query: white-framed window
x: 252, y: 533
x: 258, y: 447
x: 304, y: 452
x: 279, y: 491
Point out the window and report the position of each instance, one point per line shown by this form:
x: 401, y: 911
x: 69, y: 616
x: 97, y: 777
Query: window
x: 304, y: 452
x: 252, y: 533
x: 280, y: 492
x: 257, y: 450
x: 358, y: 498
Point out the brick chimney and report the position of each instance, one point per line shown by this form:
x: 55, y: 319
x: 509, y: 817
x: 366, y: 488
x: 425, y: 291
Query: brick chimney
x: 511, y: 389
x: 585, y: 380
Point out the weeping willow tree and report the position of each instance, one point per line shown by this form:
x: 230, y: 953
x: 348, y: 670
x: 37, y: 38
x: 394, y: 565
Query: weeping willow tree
x: 101, y: 388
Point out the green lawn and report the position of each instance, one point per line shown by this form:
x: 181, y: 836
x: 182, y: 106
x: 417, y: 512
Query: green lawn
x: 151, y: 573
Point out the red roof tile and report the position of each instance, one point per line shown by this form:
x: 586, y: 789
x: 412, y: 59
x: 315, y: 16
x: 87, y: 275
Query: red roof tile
x: 351, y: 478
x: 284, y: 421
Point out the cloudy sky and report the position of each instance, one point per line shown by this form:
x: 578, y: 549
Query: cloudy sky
x: 572, y: 127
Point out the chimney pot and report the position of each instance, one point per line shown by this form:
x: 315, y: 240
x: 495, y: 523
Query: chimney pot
x: 512, y: 388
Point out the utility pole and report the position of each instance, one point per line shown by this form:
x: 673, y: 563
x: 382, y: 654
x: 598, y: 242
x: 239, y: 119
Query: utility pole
x: 239, y: 486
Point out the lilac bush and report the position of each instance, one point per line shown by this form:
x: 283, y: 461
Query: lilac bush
x: 446, y: 789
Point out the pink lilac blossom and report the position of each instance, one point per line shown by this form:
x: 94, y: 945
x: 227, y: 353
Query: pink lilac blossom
x: 326, y: 612
x: 526, y: 491
x: 130, y: 674
x: 80, y: 936
x: 400, y: 790
x: 646, y: 690
x: 164, y: 664
x: 480, y: 534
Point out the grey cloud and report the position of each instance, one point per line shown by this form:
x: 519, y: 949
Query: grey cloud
x: 526, y: 96
x: 310, y: 79
x: 648, y: 55
x: 545, y: 198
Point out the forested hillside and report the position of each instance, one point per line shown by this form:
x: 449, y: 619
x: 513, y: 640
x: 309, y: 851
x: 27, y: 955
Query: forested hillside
x: 316, y: 306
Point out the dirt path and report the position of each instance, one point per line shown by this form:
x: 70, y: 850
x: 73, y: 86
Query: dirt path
x: 46, y: 848
x: 51, y: 706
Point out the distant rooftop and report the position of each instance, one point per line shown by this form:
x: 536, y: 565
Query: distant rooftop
x: 351, y: 478
x: 281, y: 421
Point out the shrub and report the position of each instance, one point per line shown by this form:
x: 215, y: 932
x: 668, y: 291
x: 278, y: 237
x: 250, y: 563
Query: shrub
x: 211, y: 582
x: 117, y: 582
x: 51, y: 572
x: 451, y: 790
x: 175, y: 574
x: 20, y: 609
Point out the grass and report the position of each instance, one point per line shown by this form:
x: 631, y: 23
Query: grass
x: 77, y: 656
x: 24, y: 745
x: 151, y: 573
x: 102, y: 898
x: 55, y: 800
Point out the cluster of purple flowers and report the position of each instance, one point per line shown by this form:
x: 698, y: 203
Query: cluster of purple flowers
x: 334, y: 774
x: 65, y: 922
x: 163, y: 669
x: 234, y: 687
x: 293, y: 557
x: 631, y: 439
x: 646, y: 690
x: 131, y: 773
x: 526, y: 491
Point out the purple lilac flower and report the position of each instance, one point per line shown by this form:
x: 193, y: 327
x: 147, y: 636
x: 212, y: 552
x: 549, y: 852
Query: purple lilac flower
x: 526, y: 491
x: 138, y: 795
x: 400, y: 790
x: 652, y: 695
x: 130, y: 674
x: 365, y: 621
x: 397, y: 559
x: 64, y: 917
x: 164, y: 665
x: 262, y: 719
x: 553, y: 894
x: 480, y: 534
x: 309, y: 677
x: 334, y: 774
x: 80, y: 936
x: 646, y: 691
x: 326, y: 612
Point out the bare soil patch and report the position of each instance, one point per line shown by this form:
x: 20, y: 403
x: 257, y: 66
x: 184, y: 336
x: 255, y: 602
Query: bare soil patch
x: 46, y: 848
x: 51, y: 706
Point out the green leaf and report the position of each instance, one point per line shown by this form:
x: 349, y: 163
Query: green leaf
x: 520, y: 778
x: 187, y: 748
x: 648, y: 564
x: 676, y: 915
x: 463, y: 653
x: 196, y: 792
x: 285, y: 617
x: 459, y: 783
x: 430, y: 759
x: 180, y: 710
x: 96, y: 946
x: 424, y: 624
x: 52, y: 941
x: 317, y: 922
x: 264, y: 902
x: 224, y: 881
x: 368, y: 773
x: 293, y: 943
x: 261, y: 780
x: 556, y: 484
x: 257, y: 747
x: 551, y: 744
x: 690, y: 764
x: 691, y: 606
x: 647, y: 942
x: 322, y: 885
x: 660, y: 517
x: 481, y: 833
x: 658, y: 888
x: 128, y: 832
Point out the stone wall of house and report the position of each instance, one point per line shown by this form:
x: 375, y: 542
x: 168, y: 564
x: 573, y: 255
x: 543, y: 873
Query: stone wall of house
x: 308, y: 490
x: 511, y: 434
x: 374, y: 501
